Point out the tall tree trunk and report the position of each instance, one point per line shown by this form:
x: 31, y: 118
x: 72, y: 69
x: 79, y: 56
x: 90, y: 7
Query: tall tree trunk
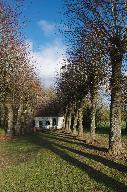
x: 80, y: 113
x: 3, y: 117
x: 10, y: 120
x: 126, y: 121
x: 68, y: 117
x: 75, y: 123
x: 18, y: 122
x: 126, y: 126
x: 69, y: 122
x: 65, y: 119
x: 115, y: 145
x: 93, y: 115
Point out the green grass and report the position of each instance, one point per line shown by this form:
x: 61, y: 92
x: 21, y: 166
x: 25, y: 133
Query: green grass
x: 53, y: 162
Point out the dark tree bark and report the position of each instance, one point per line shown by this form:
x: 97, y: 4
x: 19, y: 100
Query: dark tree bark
x: 68, y: 115
x: 65, y: 119
x: 80, y: 112
x: 75, y: 123
x: 115, y: 145
x: 18, y: 122
x: 3, y: 117
x: 69, y: 122
x: 10, y: 120
x: 93, y: 115
x: 126, y: 127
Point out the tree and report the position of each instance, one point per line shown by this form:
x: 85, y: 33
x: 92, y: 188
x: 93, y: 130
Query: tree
x: 72, y: 88
x: 124, y: 100
x: 104, y: 22
x: 19, y: 85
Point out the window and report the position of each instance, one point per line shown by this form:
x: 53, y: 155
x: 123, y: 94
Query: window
x: 47, y: 123
x: 54, y: 122
x: 40, y: 124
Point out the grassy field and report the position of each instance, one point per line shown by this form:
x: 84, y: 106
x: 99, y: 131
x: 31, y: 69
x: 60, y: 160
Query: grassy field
x: 54, y: 162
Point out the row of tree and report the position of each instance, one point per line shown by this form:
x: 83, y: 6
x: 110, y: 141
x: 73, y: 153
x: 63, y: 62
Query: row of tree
x: 97, y: 34
x: 20, y: 90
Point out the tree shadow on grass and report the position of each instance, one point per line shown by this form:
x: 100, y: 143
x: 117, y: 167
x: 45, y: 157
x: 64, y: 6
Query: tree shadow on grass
x: 61, y: 138
x: 97, y: 175
x: 93, y: 147
x: 97, y: 158
x: 75, y: 141
x: 107, y: 162
x: 61, y: 134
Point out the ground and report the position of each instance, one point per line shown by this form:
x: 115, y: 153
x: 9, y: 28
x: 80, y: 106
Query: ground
x: 57, y: 162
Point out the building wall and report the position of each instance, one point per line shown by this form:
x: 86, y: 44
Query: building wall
x: 49, y: 122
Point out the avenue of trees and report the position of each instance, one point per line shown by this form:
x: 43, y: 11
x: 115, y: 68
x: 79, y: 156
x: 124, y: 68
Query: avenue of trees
x: 96, y: 59
x: 20, y: 90
x: 96, y: 34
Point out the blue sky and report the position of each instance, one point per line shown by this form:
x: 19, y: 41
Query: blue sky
x: 42, y: 33
x: 46, y: 11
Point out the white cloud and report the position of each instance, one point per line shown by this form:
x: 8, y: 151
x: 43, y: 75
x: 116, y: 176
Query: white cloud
x: 48, y: 61
x: 47, y: 27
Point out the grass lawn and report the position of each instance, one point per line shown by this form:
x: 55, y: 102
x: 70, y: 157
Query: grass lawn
x: 54, y: 162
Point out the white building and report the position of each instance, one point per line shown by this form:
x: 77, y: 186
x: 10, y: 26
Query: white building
x: 49, y: 122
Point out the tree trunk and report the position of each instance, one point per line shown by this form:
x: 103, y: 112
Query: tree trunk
x: 68, y: 115
x: 3, y: 117
x: 93, y: 115
x: 126, y: 127
x: 75, y: 123
x: 65, y: 119
x: 126, y: 123
x: 18, y: 122
x: 69, y: 123
x: 80, y: 112
x: 115, y: 145
x: 10, y: 120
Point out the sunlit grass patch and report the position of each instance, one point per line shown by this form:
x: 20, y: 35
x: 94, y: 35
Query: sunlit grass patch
x: 53, y: 162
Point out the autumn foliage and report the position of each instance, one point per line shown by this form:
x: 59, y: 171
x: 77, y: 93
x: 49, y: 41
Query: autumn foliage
x: 19, y: 85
